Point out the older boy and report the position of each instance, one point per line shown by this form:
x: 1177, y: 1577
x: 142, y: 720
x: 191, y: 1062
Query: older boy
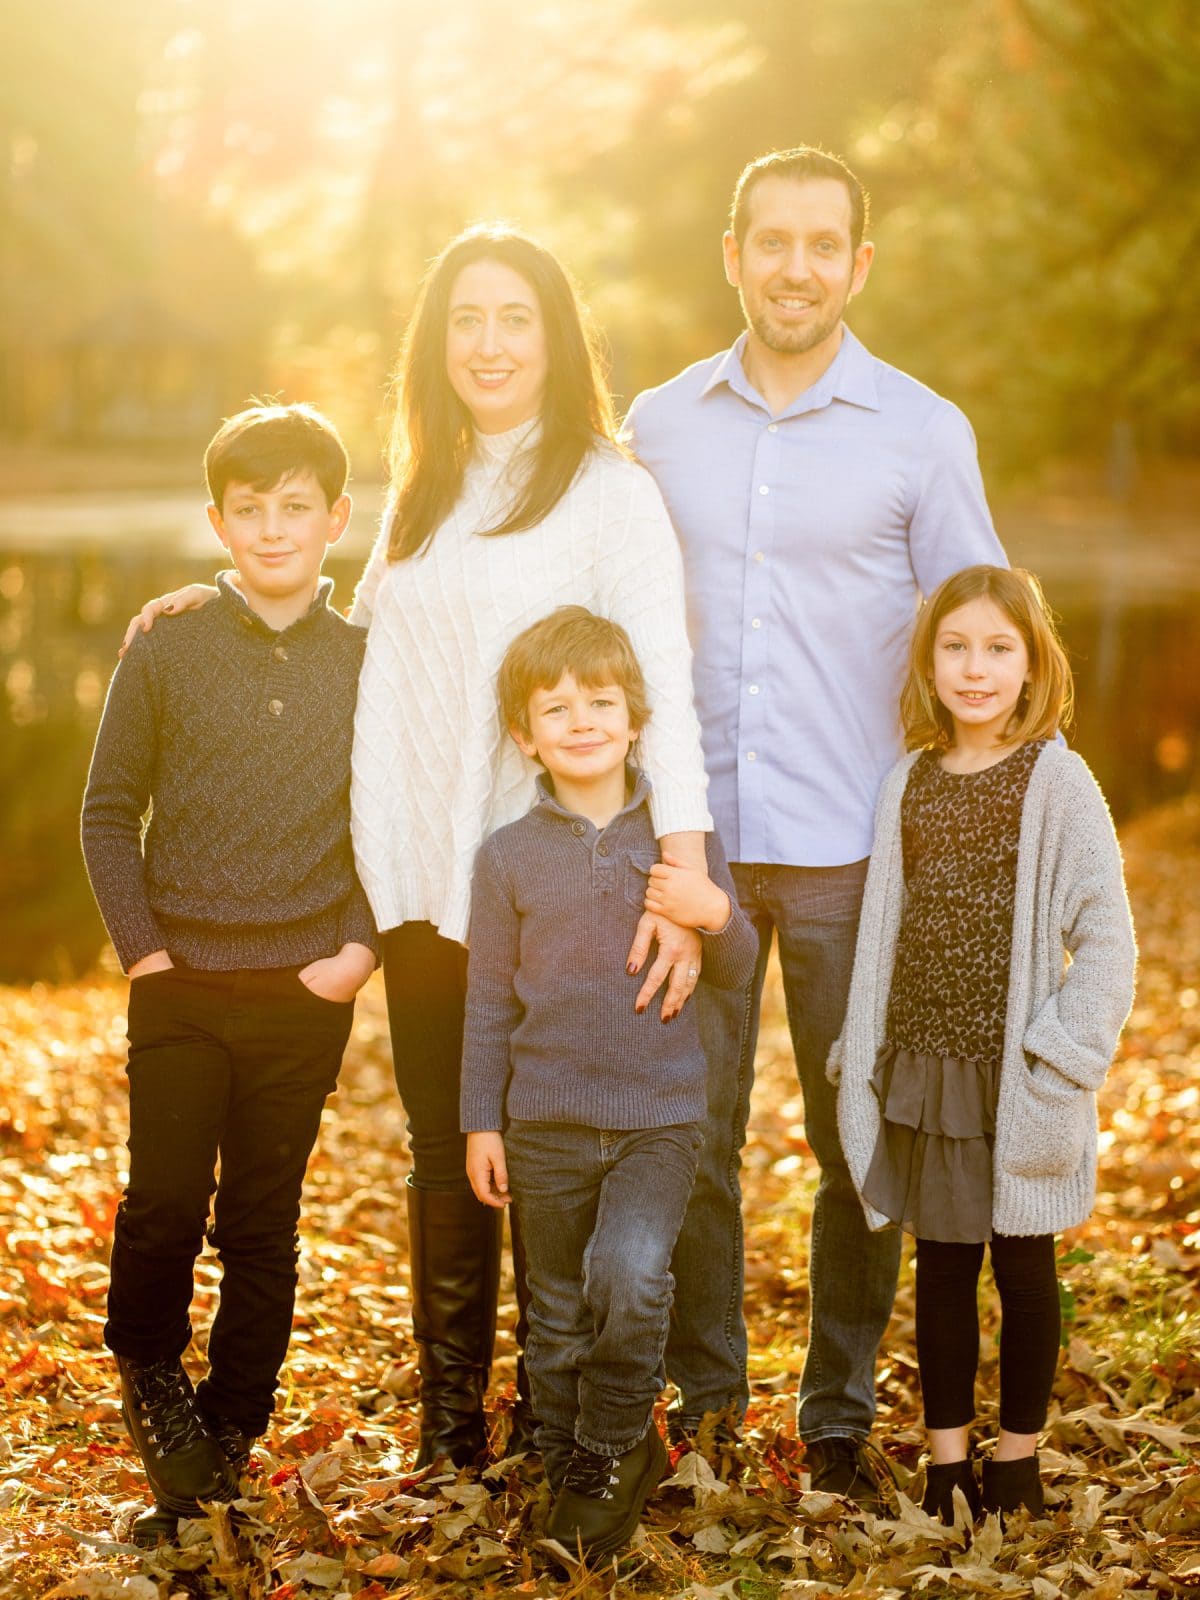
x: 240, y: 921
x: 601, y: 1104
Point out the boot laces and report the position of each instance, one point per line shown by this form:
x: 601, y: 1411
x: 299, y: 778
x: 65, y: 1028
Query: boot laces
x: 591, y: 1474
x: 167, y: 1408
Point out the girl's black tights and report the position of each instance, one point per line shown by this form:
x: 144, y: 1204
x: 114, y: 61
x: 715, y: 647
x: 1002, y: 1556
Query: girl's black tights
x: 948, y: 1329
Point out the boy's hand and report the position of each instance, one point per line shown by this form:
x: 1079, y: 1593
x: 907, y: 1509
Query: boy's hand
x: 488, y: 1169
x: 339, y: 977
x: 678, y: 959
x: 156, y: 961
x: 190, y: 598
x: 687, y: 895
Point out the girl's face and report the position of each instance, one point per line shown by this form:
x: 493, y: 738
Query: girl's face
x: 496, y: 355
x: 980, y: 665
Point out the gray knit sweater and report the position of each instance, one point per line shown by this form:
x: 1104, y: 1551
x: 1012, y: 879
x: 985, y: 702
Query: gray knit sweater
x: 551, y: 1033
x: 238, y: 736
x: 1062, y: 1020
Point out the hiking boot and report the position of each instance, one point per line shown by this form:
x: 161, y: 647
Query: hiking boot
x: 235, y: 1445
x: 153, y: 1527
x: 941, y: 1480
x: 1013, y: 1485
x: 843, y: 1466
x: 183, y: 1461
x: 601, y: 1499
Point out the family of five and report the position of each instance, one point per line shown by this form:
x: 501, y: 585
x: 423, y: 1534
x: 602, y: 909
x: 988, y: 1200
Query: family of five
x: 582, y: 669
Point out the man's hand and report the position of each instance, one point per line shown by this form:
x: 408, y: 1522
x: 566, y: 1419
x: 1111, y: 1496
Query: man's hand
x: 678, y: 958
x: 339, y: 977
x: 687, y: 895
x: 488, y: 1169
x: 156, y: 961
x: 189, y: 598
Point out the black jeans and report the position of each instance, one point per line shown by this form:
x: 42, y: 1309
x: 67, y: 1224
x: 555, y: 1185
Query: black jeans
x: 234, y: 1065
x: 948, y: 1329
x: 426, y: 980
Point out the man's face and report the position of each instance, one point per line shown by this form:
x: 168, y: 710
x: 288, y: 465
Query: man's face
x: 796, y: 270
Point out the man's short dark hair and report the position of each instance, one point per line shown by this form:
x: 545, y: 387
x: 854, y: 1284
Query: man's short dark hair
x: 803, y: 162
x: 264, y: 444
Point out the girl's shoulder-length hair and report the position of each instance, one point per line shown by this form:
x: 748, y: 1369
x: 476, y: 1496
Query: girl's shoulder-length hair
x: 1047, y: 701
x: 432, y: 436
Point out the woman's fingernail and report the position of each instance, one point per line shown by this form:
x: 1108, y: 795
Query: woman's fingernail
x: 168, y: 608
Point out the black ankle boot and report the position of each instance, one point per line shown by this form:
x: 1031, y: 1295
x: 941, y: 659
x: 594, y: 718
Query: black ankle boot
x: 941, y: 1480
x: 454, y: 1253
x: 601, y: 1498
x: 183, y: 1462
x: 1011, y: 1485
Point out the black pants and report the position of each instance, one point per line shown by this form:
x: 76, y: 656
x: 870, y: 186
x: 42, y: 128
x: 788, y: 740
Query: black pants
x: 234, y: 1065
x: 426, y: 980
x: 948, y: 1329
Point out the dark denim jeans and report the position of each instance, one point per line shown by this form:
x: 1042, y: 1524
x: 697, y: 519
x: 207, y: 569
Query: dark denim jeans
x: 599, y: 1211
x: 235, y: 1065
x: 852, y: 1271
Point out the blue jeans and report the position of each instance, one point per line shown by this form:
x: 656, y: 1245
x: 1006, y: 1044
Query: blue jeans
x: 599, y: 1211
x: 852, y: 1271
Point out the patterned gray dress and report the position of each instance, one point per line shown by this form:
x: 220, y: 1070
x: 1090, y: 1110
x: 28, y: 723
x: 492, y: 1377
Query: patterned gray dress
x: 937, y: 1075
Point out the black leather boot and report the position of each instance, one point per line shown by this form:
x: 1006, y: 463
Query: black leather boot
x: 941, y: 1480
x: 454, y: 1253
x: 182, y: 1460
x: 523, y: 1426
x: 1011, y: 1485
x: 601, y: 1499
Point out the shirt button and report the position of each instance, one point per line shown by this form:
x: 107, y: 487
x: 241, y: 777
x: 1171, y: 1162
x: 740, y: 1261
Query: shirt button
x: 755, y: 622
x: 772, y: 427
x: 279, y: 653
x: 578, y: 827
x: 275, y: 707
x: 753, y: 688
x: 762, y: 489
x: 751, y: 755
x: 758, y: 556
x: 601, y: 849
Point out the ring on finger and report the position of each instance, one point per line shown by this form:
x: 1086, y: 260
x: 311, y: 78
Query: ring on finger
x: 692, y: 972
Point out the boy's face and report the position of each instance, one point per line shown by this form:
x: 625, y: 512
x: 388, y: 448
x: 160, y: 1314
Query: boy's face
x: 579, y: 732
x: 278, y: 537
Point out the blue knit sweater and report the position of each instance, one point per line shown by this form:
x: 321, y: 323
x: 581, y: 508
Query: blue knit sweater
x: 551, y: 1032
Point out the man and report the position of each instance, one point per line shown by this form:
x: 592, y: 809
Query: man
x: 816, y: 492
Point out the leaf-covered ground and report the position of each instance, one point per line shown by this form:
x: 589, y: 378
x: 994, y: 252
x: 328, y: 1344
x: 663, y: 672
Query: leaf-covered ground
x: 333, y: 1510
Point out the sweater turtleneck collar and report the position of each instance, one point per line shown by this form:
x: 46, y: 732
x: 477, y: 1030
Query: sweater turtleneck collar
x: 498, y: 449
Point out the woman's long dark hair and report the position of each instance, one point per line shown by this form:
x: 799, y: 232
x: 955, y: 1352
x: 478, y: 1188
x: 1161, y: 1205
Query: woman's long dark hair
x: 432, y: 435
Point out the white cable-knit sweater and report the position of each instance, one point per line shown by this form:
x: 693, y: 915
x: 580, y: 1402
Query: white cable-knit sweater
x: 434, y: 770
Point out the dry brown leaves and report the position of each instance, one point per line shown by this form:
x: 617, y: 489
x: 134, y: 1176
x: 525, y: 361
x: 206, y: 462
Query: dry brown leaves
x: 332, y: 1510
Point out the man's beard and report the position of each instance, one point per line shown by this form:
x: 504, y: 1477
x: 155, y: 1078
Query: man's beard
x: 795, y: 341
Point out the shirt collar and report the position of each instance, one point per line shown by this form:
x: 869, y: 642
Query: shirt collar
x: 547, y: 800
x: 850, y: 376
x: 236, y: 600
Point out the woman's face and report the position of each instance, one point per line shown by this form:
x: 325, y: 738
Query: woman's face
x: 496, y: 357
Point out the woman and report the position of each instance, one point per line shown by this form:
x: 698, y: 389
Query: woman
x: 510, y: 496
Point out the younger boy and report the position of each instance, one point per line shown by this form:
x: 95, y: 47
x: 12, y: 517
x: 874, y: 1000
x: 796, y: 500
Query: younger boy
x: 240, y: 921
x: 600, y: 1105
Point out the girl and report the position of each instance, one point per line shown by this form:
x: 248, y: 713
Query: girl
x: 509, y: 497
x: 993, y: 974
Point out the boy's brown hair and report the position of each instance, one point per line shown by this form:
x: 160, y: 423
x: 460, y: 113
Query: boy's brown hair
x: 571, y: 639
x: 1047, y: 700
x: 264, y: 444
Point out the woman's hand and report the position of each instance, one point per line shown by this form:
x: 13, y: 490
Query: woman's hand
x: 189, y: 598
x: 339, y: 977
x: 687, y: 895
x: 487, y: 1168
x: 678, y: 960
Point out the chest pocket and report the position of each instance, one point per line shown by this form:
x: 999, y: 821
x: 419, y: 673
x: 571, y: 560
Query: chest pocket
x: 637, y: 876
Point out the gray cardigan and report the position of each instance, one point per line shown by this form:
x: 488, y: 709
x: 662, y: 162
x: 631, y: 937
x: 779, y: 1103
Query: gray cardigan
x: 1063, y: 1016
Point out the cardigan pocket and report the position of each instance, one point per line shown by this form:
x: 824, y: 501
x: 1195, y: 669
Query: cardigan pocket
x: 1049, y: 1132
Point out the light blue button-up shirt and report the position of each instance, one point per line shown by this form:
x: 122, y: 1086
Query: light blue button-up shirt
x: 808, y: 538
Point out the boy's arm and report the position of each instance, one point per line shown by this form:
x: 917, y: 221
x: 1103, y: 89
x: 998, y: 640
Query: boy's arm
x: 487, y: 1168
x: 117, y: 796
x: 493, y: 1009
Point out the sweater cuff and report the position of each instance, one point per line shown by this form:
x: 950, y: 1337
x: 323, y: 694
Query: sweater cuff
x: 1048, y: 1040
x: 679, y: 808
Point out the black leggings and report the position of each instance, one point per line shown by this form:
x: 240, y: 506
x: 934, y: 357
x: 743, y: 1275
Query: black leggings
x: 948, y: 1329
x: 426, y: 981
